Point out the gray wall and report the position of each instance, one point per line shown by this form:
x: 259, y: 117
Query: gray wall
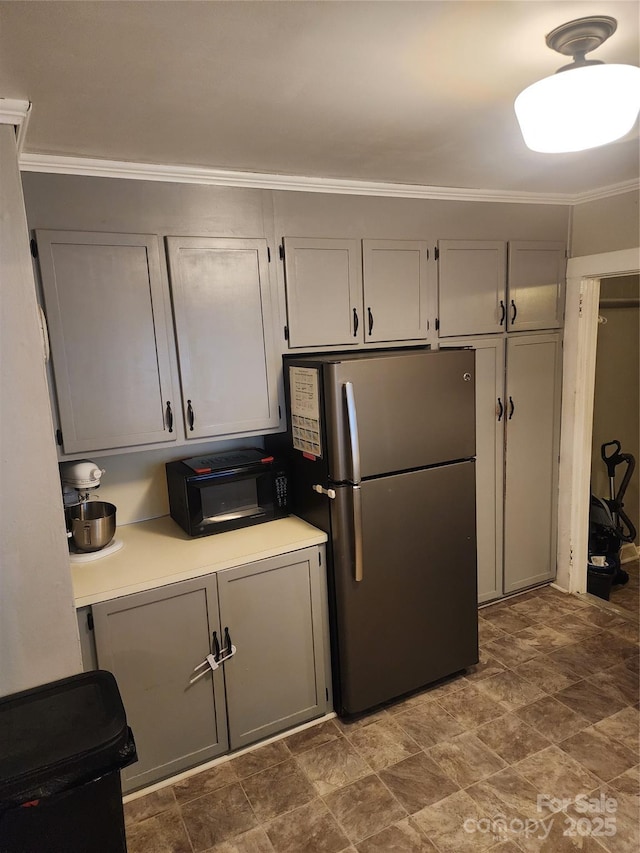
x: 38, y: 632
x: 135, y: 482
x: 606, y: 225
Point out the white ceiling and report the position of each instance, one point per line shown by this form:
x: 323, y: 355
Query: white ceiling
x: 404, y: 92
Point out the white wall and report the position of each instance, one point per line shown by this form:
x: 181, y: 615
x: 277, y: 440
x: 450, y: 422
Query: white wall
x: 38, y: 633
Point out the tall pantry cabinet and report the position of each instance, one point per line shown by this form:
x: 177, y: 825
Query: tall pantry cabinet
x: 513, y: 298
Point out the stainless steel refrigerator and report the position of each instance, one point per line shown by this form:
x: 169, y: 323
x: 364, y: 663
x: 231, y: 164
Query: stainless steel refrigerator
x: 382, y: 448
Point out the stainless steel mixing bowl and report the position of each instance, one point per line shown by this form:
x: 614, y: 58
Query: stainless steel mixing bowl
x: 91, y: 524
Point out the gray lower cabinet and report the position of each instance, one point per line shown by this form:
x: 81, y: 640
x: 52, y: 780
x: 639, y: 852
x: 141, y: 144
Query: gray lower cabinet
x: 151, y: 641
x: 274, y: 612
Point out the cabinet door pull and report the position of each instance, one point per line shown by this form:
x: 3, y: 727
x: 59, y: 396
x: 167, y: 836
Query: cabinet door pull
x: 370, y: 320
x: 229, y: 649
x: 515, y: 312
x: 512, y: 408
x: 355, y: 322
x: 169, y: 416
x: 191, y: 418
x: 215, y: 647
x: 500, y: 409
x: 503, y: 312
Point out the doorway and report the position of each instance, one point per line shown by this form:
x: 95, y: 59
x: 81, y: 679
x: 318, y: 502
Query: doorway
x: 616, y: 418
x: 579, y: 362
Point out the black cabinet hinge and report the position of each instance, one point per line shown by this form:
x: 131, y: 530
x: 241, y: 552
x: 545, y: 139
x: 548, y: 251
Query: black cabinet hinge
x: 59, y: 437
x: 268, y: 254
x: 427, y: 254
x: 281, y: 251
x: 437, y: 323
x: 90, y: 621
x: 34, y: 247
x: 279, y: 413
x: 436, y: 253
x: 326, y: 693
x: 286, y: 333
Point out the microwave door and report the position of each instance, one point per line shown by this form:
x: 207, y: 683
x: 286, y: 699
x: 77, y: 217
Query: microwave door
x: 224, y: 501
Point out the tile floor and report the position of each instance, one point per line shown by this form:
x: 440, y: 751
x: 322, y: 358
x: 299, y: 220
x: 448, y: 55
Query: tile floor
x: 551, y: 709
x: 628, y: 596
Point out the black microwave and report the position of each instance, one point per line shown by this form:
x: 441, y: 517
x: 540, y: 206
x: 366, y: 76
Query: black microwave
x: 225, y: 491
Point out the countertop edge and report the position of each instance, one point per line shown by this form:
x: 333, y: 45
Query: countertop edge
x: 303, y: 536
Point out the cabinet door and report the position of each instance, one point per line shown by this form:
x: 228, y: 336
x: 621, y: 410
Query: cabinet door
x: 471, y: 287
x: 536, y: 285
x: 395, y: 287
x: 224, y: 329
x: 151, y: 641
x: 324, y: 292
x: 105, y: 306
x: 490, y: 413
x: 532, y: 447
x: 273, y: 611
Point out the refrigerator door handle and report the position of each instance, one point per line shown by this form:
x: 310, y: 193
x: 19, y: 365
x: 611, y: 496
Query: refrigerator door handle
x: 352, y: 424
x: 358, y: 571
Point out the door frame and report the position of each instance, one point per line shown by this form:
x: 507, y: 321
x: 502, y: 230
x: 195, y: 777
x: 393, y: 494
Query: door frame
x: 578, y: 384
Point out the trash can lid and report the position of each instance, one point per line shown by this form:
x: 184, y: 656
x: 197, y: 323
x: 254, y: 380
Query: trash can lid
x: 60, y: 728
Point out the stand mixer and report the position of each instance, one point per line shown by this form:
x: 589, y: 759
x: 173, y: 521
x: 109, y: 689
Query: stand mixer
x: 91, y: 524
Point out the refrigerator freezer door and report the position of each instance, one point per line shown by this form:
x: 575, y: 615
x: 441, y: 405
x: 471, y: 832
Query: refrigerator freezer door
x: 413, y: 409
x: 413, y: 617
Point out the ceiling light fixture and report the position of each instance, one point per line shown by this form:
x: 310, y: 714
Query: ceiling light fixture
x: 591, y: 105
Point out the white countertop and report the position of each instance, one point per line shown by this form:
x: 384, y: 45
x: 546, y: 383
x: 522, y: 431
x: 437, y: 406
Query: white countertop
x: 159, y: 552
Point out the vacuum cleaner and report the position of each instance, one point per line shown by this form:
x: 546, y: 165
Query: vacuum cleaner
x: 609, y: 525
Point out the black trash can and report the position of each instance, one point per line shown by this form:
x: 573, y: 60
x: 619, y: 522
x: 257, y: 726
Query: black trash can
x: 62, y: 746
x: 600, y: 580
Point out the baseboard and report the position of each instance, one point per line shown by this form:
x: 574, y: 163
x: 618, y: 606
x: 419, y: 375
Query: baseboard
x: 629, y: 552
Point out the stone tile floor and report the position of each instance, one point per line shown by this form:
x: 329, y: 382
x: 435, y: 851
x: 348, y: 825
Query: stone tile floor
x: 551, y: 710
x: 628, y: 596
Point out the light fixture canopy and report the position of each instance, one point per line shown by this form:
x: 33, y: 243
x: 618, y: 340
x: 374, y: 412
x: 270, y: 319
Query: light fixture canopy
x: 584, y: 104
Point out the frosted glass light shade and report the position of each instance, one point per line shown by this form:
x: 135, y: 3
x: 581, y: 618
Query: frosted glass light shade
x: 579, y: 108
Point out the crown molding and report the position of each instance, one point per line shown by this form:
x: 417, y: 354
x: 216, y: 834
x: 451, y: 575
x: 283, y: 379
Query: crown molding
x: 607, y: 192
x: 63, y: 165
x: 255, y: 180
x: 17, y: 113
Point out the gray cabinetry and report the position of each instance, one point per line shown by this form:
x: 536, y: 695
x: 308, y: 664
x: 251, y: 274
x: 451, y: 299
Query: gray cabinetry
x: 347, y: 293
x: 274, y: 612
x: 105, y: 306
x: 324, y: 292
x: 224, y: 329
x: 152, y: 641
x: 472, y: 276
x: 536, y: 285
x: 487, y: 287
x: 531, y: 468
x: 518, y: 383
x: 395, y: 290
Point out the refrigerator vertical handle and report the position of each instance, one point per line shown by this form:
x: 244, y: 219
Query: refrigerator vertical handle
x: 358, y: 572
x: 352, y: 424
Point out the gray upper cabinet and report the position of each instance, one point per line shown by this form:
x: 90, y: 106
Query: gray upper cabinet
x: 224, y: 329
x: 536, y: 286
x: 105, y: 307
x: 347, y: 293
x: 472, y: 283
x: 152, y: 641
x: 273, y: 611
x: 533, y: 392
x: 481, y: 292
x: 395, y: 287
x: 324, y: 292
